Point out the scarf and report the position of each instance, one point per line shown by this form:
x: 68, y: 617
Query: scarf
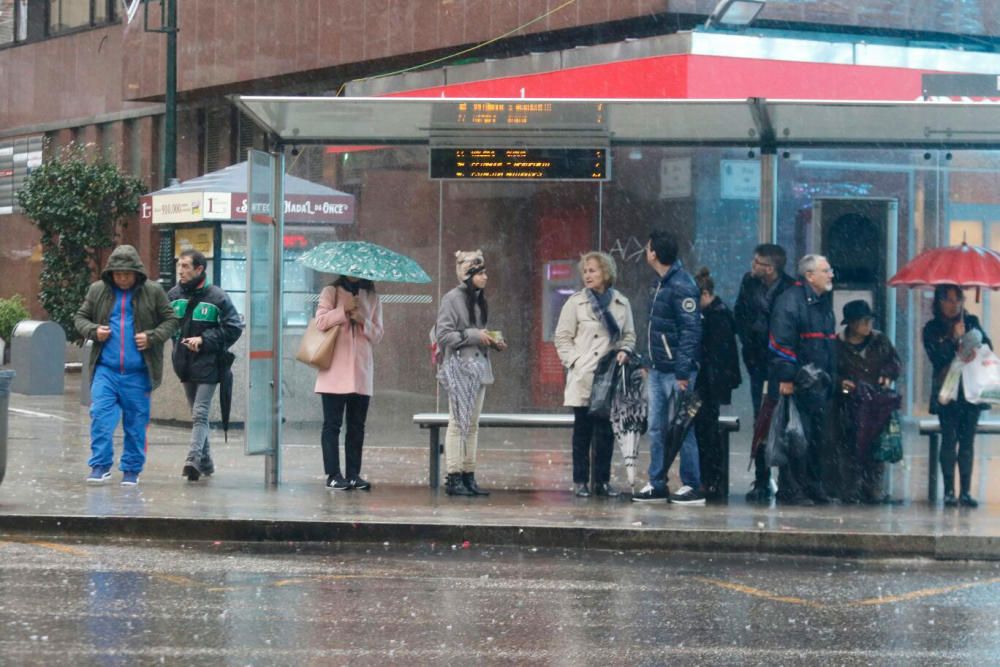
x: 601, y: 303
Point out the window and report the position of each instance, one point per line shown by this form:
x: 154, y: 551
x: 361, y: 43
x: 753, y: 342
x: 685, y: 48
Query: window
x: 17, y: 158
x: 13, y: 21
x: 70, y: 14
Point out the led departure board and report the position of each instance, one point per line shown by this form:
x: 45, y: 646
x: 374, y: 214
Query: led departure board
x: 525, y: 164
x: 523, y: 114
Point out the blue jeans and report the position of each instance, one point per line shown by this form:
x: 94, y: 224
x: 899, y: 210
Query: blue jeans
x: 115, y: 396
x: 661, y: 388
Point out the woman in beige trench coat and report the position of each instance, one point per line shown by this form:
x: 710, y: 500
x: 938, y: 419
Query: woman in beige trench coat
x: 593, y: 321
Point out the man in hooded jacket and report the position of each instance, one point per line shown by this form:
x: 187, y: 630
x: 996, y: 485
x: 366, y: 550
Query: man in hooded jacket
x: 209, y: 325
x: 129, y: 319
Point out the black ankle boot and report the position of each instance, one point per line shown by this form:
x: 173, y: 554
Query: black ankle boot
x: 454, y: 486
x: 469, y: 479
x: 965, y: 500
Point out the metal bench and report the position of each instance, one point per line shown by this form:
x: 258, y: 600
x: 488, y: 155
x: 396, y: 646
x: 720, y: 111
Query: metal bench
x: 435, y: 421
x: 932, y: 429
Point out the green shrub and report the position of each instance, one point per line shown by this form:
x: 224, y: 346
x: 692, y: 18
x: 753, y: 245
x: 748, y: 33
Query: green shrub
x: 12, y: 311
x: 80, y: 206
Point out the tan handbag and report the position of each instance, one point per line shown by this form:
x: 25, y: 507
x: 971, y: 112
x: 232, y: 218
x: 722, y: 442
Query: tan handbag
x: 316, y: 348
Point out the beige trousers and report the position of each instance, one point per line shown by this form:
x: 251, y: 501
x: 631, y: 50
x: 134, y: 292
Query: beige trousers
x: 457, y: 458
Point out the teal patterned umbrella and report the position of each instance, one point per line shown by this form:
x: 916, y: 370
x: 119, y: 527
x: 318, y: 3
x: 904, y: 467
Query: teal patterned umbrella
x: 364, y: 260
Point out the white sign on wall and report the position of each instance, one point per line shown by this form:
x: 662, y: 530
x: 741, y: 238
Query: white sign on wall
x: 740, y: 179
x: 675, y: 177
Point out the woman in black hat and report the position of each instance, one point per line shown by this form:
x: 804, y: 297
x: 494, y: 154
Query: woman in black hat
x: 863, y: 355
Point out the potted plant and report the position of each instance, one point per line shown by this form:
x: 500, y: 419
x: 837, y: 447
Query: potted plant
x: 12, y: 311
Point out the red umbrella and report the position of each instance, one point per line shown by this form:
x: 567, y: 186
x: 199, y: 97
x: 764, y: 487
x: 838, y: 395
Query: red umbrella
x: 963, y: 265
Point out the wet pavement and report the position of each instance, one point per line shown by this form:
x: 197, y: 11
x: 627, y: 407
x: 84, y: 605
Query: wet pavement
x: 531, y: 505
x: 88, y: 602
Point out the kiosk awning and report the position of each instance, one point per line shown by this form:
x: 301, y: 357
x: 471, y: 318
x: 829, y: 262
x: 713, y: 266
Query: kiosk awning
x: 221, y: 195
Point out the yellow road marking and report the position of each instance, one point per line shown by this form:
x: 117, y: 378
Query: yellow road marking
x: 178, y: 579
x: 888, y: 599
x: 62, y: 548
x: 756, y: 592
x: 926, y: 592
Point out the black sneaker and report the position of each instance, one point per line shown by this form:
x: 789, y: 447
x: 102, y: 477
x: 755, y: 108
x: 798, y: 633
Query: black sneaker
x: 337, y: 483
x: 648, y: 494
x: 190, y: 471
x: 360, y: 484
x: 582, y: 491
x: 605, y: 489
x: 759, y: 494
x: 687, y: 496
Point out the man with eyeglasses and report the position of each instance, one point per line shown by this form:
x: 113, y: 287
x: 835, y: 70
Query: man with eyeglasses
x: 803, y: 344
x: 759, y: 289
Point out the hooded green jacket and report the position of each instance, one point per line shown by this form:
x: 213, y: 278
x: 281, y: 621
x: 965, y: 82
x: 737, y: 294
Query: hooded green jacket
x: 151, y: 310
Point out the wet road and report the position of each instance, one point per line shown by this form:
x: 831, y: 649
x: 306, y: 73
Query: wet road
x: 118, y: 602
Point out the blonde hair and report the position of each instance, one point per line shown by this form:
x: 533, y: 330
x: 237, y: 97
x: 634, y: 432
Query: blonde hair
x: 605, y: 261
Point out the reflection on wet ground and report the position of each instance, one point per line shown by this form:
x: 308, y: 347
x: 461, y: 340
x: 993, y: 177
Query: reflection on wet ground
x: 48, y: 449
x: 210, y: 603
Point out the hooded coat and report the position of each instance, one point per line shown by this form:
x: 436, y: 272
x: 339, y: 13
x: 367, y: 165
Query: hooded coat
x: 151, y: 311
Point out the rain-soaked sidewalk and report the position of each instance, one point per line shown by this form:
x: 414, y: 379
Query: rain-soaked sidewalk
x: 44, y: 493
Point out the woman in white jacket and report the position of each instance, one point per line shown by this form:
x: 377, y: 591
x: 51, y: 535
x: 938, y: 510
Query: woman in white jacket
x: 593, y: 321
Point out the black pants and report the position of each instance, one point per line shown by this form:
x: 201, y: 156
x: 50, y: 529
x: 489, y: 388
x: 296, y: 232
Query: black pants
x: 334, y: 406
x: 804, y: 475
x: 958, y: 428
x: 762, y: 474
x: 710, y: 454
x: 586, y: 430
x: 859, y: 476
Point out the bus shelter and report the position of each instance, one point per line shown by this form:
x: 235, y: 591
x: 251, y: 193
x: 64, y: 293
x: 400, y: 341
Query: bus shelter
x: 536, y: 182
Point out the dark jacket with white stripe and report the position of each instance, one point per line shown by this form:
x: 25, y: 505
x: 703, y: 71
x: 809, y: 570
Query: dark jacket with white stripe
x: 803, y: 331
x: 673, y: 335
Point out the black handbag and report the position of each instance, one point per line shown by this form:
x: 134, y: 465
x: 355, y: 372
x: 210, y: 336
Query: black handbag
x: 602, y: 392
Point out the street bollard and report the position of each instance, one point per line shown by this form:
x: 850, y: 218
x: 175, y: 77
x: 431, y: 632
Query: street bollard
x: 5, y: 379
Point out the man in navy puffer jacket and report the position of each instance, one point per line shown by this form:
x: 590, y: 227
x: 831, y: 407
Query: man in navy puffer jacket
x: 673, y: 339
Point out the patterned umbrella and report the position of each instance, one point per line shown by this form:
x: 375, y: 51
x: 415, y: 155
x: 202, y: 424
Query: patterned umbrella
x: 364, y: 260
x: 629, y: 414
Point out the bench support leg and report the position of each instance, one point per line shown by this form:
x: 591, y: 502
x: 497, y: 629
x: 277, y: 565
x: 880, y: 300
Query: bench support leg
x: 435, y: 457
x: 724, y: 480
x: 933, y: 448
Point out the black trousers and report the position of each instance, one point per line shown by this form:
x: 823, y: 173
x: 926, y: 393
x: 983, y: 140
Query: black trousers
x: 762, y: 474
x: 334, y: 407
x: 958, y: 430
x: 587, y: 430
x: 858, y: 478
x: 804, y: 475
x: 710, y: 455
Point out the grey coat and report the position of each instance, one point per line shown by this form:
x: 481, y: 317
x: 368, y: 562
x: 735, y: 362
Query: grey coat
x: 455, y: 334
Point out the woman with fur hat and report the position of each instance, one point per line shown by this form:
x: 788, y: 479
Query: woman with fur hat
x: 465, y: 344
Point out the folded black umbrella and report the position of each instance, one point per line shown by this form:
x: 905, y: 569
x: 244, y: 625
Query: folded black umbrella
x: 682, y: 407
x: 225, y: 361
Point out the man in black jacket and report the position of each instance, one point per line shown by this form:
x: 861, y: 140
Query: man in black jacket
x: 803, y: 338
x: 209, y: 326
x: 759, y: 289
x: 673, y: 339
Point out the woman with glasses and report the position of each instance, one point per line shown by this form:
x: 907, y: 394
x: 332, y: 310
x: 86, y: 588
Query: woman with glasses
x: 942, y: 337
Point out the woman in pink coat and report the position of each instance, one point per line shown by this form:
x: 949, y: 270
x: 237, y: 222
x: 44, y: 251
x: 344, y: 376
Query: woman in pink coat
x: 347, y: 385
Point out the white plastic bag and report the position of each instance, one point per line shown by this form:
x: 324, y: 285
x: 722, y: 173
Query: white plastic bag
x: 981, y: 377
x: 952, y: 380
